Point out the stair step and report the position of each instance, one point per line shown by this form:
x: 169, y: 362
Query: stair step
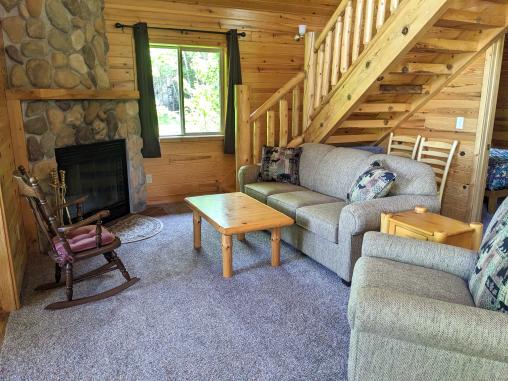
x: 460, y: 19
x: 443, y: 45
x: 401, y: 89
x: 376, y: 108
x: 416, y: 68
x: 368, y: 123
x: 352, y: 138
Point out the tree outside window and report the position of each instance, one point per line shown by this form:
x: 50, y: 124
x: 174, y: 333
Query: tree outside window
x: 188, y: 89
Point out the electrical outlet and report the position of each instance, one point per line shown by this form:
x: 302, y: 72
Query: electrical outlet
x: 459, y: 124
x: 149, y: 179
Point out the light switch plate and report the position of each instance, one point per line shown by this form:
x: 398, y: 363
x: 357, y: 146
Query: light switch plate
x: 459, y: 124
x: 149, y: 179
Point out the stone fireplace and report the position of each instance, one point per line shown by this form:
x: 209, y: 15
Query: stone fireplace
x: 62, y: 44
x: 56, y: 124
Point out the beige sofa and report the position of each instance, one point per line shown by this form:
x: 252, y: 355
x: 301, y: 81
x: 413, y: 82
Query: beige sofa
x: 328, y: 229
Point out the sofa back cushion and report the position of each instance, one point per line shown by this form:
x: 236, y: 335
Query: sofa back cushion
x: 339, y: 169
x: 310, y: 160
x: 333, y: 170
x: 489, y: 282
x: 413, y: 177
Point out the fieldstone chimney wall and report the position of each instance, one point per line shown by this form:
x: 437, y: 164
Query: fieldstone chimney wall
x: 62, y: 44
x: 56, y: 124
x: 55, y: 43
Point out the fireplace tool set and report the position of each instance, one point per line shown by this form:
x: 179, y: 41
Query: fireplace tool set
x: 57, y: 182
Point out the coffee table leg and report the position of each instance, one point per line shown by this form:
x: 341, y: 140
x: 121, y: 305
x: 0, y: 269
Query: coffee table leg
x: 196, y: 219
x: 240, y: 237
x: 275, y: 247
x: 227, y: 256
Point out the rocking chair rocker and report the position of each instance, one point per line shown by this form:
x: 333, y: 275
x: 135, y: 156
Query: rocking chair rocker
x: 70, y: 244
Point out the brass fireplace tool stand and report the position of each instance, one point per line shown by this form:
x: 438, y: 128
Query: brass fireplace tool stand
x: 57, y: 182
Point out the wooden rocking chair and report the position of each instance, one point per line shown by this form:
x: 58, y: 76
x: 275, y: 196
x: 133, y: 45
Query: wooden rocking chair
x: 70, y: 244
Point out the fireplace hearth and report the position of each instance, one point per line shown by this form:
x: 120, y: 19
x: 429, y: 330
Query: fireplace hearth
x: 98, y: 170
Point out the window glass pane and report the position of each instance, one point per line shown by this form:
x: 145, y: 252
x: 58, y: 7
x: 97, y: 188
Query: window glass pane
x: 166, y: 87
x: 201, y: 89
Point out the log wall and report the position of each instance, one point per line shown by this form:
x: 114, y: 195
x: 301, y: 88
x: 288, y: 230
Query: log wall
x: 269, y: 58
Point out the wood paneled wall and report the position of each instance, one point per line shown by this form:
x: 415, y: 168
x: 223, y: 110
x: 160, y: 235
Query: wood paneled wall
x: 13, y: 247
x: 500, y: 134
x: 269, y: 58
x: 437, y: 120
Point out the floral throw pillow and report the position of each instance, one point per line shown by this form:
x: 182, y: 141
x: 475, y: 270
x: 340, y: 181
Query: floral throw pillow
x: 489, y: 282
x: 280, y: 164
x: 375, y: 182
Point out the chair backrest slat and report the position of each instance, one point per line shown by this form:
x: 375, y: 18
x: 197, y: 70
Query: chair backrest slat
x: 439, y: 156
x: 405, y: 146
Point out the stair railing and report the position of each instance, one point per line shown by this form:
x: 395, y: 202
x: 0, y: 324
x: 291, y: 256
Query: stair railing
x: 274, y: 123
x: 330, y: 56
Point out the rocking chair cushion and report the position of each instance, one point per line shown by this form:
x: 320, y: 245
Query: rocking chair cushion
x: 81, y: 239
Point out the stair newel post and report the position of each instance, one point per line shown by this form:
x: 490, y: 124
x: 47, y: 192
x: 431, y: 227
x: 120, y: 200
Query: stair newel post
x: 242, y: 128
x: 310, y: 77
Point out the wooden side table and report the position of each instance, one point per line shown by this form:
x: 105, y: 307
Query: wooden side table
x: 423, y: 225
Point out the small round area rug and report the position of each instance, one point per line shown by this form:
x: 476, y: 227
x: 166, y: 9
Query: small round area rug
x: 136, y: 227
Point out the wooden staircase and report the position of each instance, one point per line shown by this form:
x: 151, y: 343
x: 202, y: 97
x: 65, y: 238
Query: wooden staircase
x: 374, y: 65
x: 419, y: 48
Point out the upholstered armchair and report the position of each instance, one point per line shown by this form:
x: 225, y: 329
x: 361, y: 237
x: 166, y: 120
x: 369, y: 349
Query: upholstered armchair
x: 412, y: 316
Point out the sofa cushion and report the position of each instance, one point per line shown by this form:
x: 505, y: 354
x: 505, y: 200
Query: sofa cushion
x: 260, y: 191
x: 413, y: 177
x: 310, y: 160
x: 499, y: 220
x: 280, y: 164
x: 375, y: 182
x: 408, y: 279
x: 339, y: 169
x: 321, y: 219
x: 489, y: 282
x: 287, y: 203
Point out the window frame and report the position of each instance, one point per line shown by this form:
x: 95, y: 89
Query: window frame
x: 222, y: 81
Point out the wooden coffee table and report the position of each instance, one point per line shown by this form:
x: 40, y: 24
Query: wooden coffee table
x: 236, y: 214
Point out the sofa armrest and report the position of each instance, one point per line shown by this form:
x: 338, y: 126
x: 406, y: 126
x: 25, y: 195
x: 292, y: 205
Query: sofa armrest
x: 454, y: 260
x: 360, y: 217
x: 433, y: 323
x: 247, y: 174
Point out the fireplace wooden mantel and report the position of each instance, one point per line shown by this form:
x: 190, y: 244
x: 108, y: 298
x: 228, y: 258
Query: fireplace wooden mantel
x: 15, y: 98
x: 63, y: 94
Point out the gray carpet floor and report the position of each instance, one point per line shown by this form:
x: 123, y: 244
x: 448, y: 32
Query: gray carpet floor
x: 183, y: 321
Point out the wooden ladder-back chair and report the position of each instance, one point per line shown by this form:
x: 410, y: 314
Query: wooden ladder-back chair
x: 69, y: 244
x: 439, y: 156
x: 405, y: 146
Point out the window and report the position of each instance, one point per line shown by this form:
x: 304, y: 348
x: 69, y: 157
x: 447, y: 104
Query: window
x: 188, y: 89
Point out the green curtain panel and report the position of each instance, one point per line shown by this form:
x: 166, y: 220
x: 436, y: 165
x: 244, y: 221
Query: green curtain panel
x: 147, y: 108
x: 234, y: 78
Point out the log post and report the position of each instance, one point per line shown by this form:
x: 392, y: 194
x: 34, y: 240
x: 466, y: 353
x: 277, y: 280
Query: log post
x: 283, y: 122
x: 242, y: 133
x: 310, y: 76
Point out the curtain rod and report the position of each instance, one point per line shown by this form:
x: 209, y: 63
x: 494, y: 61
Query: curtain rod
x: 121, y: 26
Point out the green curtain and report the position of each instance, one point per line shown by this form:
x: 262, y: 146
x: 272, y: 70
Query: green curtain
x: 147, y: 108
x: 234, y: 78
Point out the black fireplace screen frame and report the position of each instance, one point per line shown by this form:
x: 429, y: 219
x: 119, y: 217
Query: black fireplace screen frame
x: 70, y: 156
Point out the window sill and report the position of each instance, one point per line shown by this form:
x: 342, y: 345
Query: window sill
x: 171, y: 139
